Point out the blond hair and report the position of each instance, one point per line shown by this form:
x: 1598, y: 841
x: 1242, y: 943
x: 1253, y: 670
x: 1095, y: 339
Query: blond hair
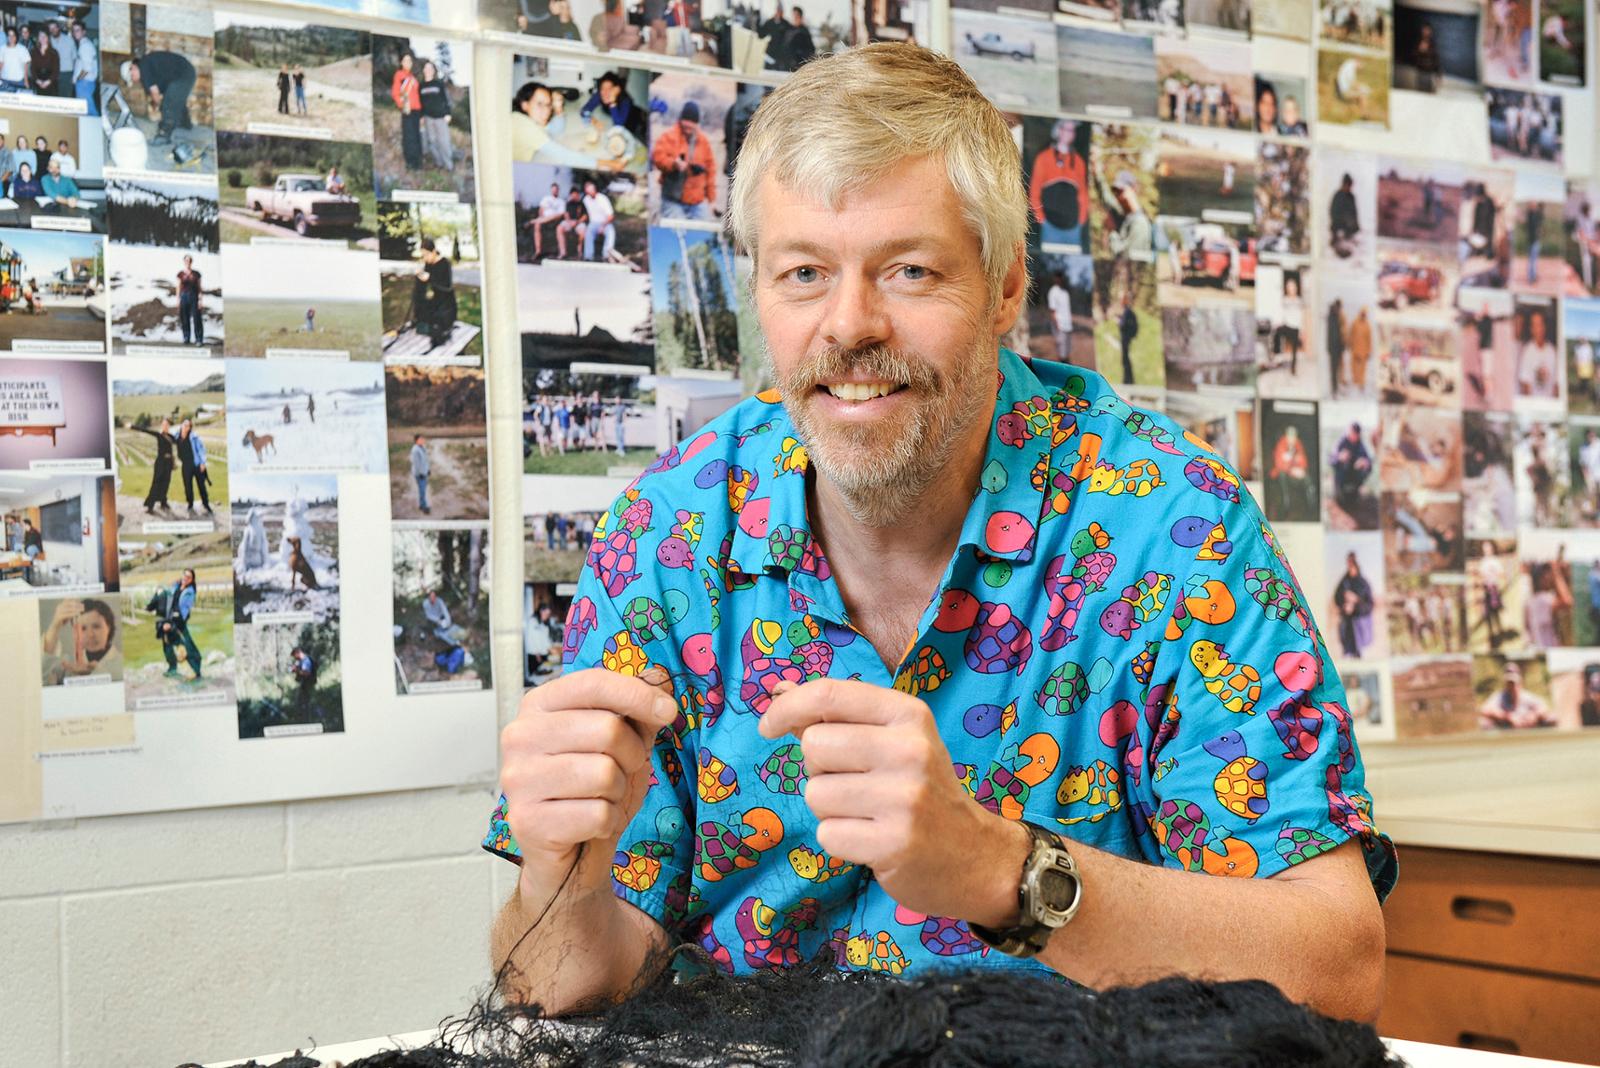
x: 841, y: 122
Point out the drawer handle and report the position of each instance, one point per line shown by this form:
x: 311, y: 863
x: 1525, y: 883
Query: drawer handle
x: 1482, y: 910
x: 1491, y: 1043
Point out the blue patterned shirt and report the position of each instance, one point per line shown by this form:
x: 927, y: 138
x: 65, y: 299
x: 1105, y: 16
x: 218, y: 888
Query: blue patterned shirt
x: 1118, y: 650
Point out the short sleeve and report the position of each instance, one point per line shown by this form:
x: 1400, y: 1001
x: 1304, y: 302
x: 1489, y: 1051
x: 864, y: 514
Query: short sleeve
x: 656, y: 851
x: 1253, y: 762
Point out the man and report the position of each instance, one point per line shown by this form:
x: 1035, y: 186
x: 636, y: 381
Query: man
x: 775, y: 31
x: 1536, y: 363
x: 1352, y: 463
x: 1360, y: 345
x: 1344, y: 218
x: 437, y: 613
x: 798, y: 44
x: 434, y: 295
x: 14, y: 60
x: 1290, y: 124
x: 602, y: 220
x: 867, y: 642
x: 1511, y: 706
x: 420, y: 469
x: 168, y: 79
x: 60, y: 188
x: 285, y: 82
x: 334, y: 183
x: 575, y: 223
x: 1127, y: 330
x: 63, y: 155
x: 85, y: 67
x: 304, y: 668
x: 688, y: 170
x: 1290, y: 477
x: 1583, y: 357
x: 551, y: 209
x: 1058, y: 188
x: 1131, y: 236
x: 1533, y: 235
x: 1352, y: 599
x: 32, y: 540
x: 1059, y: 303
x: 67, y: 49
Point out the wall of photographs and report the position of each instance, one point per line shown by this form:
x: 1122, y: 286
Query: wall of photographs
x: 243, y: 439
x: 1352, y: 243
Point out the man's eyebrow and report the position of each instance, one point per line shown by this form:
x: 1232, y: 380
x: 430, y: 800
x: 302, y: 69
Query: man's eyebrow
x: 917, y: 243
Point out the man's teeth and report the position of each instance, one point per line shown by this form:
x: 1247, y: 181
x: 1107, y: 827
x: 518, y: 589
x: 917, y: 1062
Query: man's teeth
x: 860, y: 391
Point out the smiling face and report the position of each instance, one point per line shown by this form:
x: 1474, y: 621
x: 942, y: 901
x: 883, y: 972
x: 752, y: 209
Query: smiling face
x: 879, y: 328
x: 93, y: 632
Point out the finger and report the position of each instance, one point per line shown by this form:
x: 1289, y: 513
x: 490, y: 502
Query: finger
x: 835, y: 701
x: 853, y: 840
x: 599, y: 688
x: 558, y: 825
x: 835, y: 747
x: 852, y: 793
x: 572, y: 776
x: 596, y: 730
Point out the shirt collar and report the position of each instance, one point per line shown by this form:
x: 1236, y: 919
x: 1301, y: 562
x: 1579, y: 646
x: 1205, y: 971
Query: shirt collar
x: 1013, y: 497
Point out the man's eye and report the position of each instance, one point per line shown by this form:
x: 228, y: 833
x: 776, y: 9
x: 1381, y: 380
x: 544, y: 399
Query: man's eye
x: 805, y: 274
x: 915, y: 272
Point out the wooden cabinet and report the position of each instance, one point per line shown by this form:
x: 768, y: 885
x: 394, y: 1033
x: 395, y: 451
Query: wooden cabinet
x: 1495, y: 951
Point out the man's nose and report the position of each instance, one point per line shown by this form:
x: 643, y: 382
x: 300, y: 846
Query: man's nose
x: 855, y: 316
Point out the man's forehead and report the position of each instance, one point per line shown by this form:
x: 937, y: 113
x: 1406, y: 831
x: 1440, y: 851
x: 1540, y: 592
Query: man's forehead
x: 912, y: 205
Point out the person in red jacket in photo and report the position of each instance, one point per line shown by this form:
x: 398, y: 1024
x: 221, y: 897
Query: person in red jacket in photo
x: 407, y: 96
x: 688, y: 168
x: 1057, y: 188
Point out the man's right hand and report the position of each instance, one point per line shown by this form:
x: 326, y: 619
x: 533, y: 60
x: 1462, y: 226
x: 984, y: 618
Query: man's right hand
x: 575, y: 767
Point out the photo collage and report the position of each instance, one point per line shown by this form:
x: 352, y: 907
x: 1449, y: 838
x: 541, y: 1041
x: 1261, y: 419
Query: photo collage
x: 239, y: 263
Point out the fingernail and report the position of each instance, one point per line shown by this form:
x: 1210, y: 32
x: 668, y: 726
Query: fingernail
x: 655, y: 675
x: 783, y: 687
x: 666, y: 708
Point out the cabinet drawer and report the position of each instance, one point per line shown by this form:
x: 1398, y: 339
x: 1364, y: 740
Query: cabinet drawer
x: 1483, y: 1008
x: 1497, y: 908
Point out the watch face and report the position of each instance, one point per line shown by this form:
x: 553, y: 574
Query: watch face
x: 1057, y: 890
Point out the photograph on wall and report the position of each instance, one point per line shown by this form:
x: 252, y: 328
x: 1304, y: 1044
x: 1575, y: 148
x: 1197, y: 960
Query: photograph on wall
x: 1350, y: 465
x: 1538, y: 233
x: 1286, y: 357
x: 1487, y: 348
x: 1525, y: 127
x: 285, y: 543
x: 54, y: 172
x: 589, y: 216
x: 1283, y: 18
x: 54, y: 415
x: 422, y: 118
x: 441, y: 608
x: 79, y: 641
x: 60, y: 534
x: 1011, y: 57
x: 571, y: 113
x: 688, y: 153
x: 1345, y: 202
x: 1512, y: 692
x: 1583, y: 454
x: 292, y: 78
x: 1283, y: 200
x: 1581, y: 217
x: 1418, y: 363
x: 1217, y: 16
x: 1205, y: 82
x: 432, y: 282
x: 1055, y: 167
x: 1353, y: 87
x: 1209, y: 346
x: 1546, y: 578
x: 1153, y: 14
x: 1422, y: 532
x: 302, y: 300
x: 286, y: 189
x: 1357, y: 595
x: 1208, y: 176
x: 560, y: 23
x: 1539, y: 365
x: 1562, y: 29
x: 1542, y: 472
x: 1483, y: 232
x: 1574, y: 687
x: 1226, y: 423
x: 307, y: 415
x: 584, y: 313
x: 1419, y: 449
x: 1292, y: 461
x: 156, y: 65
x: 1346, y: 336
x: 1122, y: 172
x: 438, y: 442
x: 1433, y: 696
x: 597, y: 420
x: 1127, y: 332
x: 1419, y: 200
x: 52, y: 291
x: 289, y: 680
x: 1436, y: 45
x: 164, y: 266
x: 1489, y: 496
x: 66, y: 67
x: 1580, y: 332
x: 1416, y: 278
x: 545, y: 607
x: 1426, y: 614
x: 1060, y: 316
x: 170, y: 422
x: 1364, y: 24
x: 1507, y: 42
x: 177, y: 634
x: 1106, y: 73
x: 696, y: 297
x: 1283, y: 108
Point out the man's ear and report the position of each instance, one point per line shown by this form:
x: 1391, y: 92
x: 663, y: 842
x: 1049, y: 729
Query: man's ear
x: 1013, y: 292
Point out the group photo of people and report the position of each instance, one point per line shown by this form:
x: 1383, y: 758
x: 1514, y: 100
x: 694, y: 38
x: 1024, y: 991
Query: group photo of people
x: 51, y: 49
x: 441, y: 605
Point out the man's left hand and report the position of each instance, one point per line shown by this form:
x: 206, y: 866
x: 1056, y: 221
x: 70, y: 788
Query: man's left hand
x: 881, y: 784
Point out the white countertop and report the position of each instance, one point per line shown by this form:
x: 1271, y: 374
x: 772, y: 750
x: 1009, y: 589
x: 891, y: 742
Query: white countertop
x: 1419, y: 1054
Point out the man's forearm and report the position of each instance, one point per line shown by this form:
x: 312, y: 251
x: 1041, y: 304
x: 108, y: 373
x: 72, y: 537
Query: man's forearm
x: 1140, y: 922
x: 590, y: 945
